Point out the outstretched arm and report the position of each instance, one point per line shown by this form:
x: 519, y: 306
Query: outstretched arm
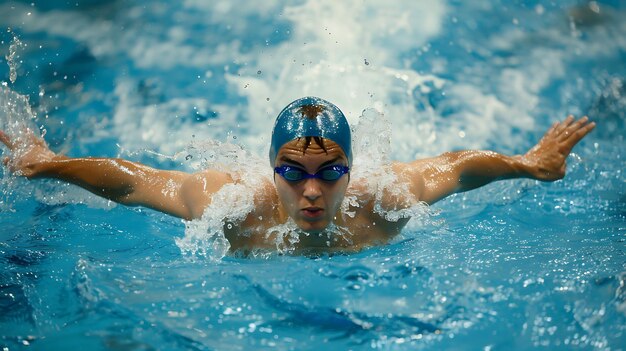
x: 177, y: 193
x: 435, y: 178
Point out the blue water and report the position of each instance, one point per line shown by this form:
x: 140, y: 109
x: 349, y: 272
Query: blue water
x: 515, y: 265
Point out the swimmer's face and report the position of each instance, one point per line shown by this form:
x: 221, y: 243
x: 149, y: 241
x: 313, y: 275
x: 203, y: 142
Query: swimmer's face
x: 312, y: 203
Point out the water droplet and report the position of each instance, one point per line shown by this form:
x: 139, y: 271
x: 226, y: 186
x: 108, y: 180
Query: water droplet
x: 267, y: 99
x: 258, y: 72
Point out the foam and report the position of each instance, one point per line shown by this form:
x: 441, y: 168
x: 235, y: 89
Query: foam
x: 348, y: 52
x: 16, y: 117
x: 351, y: 55
x: 332, y: 61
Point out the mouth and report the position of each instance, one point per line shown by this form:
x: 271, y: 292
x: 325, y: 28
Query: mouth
x: 312, y: 213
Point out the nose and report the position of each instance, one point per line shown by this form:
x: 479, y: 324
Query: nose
x: 312, y: 189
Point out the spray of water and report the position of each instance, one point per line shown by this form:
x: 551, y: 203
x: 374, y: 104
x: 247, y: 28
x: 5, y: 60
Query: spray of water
x: 234, y: 202
x: 13, y: 58
x: 18, y: 121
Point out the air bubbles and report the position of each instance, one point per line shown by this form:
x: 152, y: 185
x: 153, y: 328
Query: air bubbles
x: 188, y: 157
x: 366, y: 62
x: 258, y: 72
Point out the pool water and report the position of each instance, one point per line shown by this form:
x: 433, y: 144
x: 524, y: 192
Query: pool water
x: 514, y: 265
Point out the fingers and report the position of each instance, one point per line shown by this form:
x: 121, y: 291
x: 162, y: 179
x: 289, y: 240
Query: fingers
x: 574, y: 132
x: 581, y: 132
x: 32, y: 137
x: 552, y: 129
x: 563, y: 125
x: 569, y: 127
x: 4, y: 138
x: 25, y: 138
x: 574, y: 127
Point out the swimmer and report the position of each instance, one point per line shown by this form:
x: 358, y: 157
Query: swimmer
x: 311, y: 154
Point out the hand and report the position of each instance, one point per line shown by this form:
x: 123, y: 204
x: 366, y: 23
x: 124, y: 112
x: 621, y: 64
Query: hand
x: 546, y: 160
x: 27, y: 152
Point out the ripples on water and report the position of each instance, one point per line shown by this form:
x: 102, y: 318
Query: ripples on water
x: 515, y: 265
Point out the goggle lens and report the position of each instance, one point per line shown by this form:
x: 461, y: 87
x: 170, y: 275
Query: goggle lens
x: 329, y: 174
x: 293, y: 175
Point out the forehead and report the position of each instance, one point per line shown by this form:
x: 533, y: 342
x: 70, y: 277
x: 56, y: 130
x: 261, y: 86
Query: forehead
x: 295, y: 150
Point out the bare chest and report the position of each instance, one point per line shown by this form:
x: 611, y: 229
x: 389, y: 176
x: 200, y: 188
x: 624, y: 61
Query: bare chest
x: 267, y: 231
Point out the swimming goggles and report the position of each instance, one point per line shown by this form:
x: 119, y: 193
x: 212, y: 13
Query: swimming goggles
x: 295, y: 174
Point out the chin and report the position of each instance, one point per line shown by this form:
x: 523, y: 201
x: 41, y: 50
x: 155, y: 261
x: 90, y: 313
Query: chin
x: 313, y: 227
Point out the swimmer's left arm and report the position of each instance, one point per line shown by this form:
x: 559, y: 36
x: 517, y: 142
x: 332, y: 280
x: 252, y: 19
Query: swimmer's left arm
x: 453, y: 172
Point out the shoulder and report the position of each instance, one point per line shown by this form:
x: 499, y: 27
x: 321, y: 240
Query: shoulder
x: 382, y: 204
x: 411, y: 175
x: 197, y: 190
x: 400, y: 183
x: 208, y: 181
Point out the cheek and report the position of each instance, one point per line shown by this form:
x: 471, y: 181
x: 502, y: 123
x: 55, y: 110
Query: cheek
x: 286, y: 193
x: 338, y: 192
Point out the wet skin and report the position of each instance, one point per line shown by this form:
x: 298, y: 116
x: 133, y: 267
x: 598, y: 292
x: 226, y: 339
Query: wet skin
x: 312, y: 203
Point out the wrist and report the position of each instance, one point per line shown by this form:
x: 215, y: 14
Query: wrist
x: 524, y: 167
x: 47, y: 167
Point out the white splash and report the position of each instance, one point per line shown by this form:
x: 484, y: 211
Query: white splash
x: 13, y: 57
x: 16, y: 119
x: 323, y: 57
x: 234, y: 202
x: 205, y: 237
x: 372, y: 169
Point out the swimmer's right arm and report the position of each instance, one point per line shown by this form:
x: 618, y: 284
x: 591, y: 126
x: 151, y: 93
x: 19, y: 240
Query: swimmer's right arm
x: 176, y: 193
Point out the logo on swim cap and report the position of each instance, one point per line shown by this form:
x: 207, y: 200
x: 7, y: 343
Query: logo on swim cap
x: 311, y: 117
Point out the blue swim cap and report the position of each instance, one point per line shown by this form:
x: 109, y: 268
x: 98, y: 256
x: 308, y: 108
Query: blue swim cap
x: 311, y: 117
